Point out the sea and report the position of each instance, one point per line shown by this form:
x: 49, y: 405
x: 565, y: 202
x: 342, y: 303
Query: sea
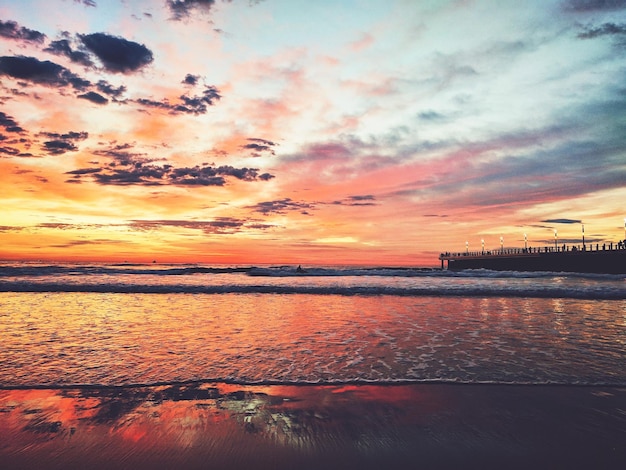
x: 68, y: 325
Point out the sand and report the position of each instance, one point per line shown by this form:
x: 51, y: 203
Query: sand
x: 221, y: 426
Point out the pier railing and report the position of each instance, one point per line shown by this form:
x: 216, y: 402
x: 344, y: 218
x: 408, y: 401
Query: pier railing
x: 587, y: 247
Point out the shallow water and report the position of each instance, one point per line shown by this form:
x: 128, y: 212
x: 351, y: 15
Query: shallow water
x: 114, y: 339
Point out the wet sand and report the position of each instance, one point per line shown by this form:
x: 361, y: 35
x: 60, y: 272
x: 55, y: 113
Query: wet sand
x: 221, y: 426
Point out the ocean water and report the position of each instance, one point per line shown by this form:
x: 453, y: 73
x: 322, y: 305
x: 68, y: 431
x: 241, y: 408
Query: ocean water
x: 65, y: 325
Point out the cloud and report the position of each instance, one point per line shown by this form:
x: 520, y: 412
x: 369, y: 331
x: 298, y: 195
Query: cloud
x: 610, y: 29
x: 365, y: 200
x: 94, y: 97
x: 84, y: 171
x: 110, y: 90
x: 122, y: 154
x: 188, y: 104
x: 191, y: 79
x: 221, y: 225
x: 9, y: 124
x: 62, y: 47
x: 430, y: 115
x: 58, y: 147
x: 69, y: 136
x: 198, y: 104
x: 40, y: 72
x: 323, y: 151
x: 281, y: 206
x: 117, y: 54
x: 62, y: 143
x: 130, y: 168
x: 10, y: 228
x: 182, y: 8
x: 11, y: 30
x: 594, y: 5
x: 562, y: 221
x: 258, y: 146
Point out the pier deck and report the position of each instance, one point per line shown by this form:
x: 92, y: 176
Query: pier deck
x: 607, y: 259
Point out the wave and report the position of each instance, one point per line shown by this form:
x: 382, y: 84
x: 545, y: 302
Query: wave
x: 35, y: 270
x: 451, y: 290
x: 115, y: 269
x: 322, y: 383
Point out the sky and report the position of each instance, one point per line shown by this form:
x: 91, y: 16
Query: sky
x: 377, y: 132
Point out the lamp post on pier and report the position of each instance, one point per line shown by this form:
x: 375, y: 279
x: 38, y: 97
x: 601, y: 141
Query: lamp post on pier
x: 525, y: 242
x: 501, y: 245
x: 466, y: 247
x: 583, y: 237
x: 555, y: 241
x: 482, y: 242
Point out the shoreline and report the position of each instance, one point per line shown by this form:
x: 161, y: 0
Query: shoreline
x: 221, y: 425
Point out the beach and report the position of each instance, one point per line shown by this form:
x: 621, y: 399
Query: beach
x: 217, y: 425
x: 141, y: 367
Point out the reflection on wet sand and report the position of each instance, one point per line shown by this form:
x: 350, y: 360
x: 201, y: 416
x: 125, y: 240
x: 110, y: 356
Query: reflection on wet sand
x: 231, y: 426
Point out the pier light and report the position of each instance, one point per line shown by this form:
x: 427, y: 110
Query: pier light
x: 482, y: 242
x: 556, y: 241
x: 502, y: 244
x: 525, y: 242
x: 466, y: 247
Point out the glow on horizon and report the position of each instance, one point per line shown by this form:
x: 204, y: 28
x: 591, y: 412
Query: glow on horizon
x: 276, y: 131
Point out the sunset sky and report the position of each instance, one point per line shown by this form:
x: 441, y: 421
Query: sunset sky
x: 309, y: 132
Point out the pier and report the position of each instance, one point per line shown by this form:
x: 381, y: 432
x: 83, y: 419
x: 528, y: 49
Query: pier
x: 606, y: 258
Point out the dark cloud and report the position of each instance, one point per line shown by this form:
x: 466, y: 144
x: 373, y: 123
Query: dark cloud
x: 198, y: 104
x: 110, y: 90
x: 594, y: 5
x: 41, y: 72
x: 69, y: 136
x: 282, y: 206
x: 11, y: 30
x: 94, y: 97
x: 165, y: 104
x: 609, y: 29
x: 122, y: 155
x: 62, y: 47
x: 9, y: 124
x: 84, y: 171
x: 188, y: 104
x: 128, y: 168
x: 221, y: 225
x: 191, y: 79
x: 562, y: 221
x: 365, y: 200
x: 62, y: 143
x: 117, y: 54
x: 182, y: 8
x: 58, y: 147
x: 9, y: 151
x: 258, y: 146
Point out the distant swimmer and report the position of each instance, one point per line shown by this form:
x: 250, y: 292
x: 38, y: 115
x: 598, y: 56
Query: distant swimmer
x: 300, y: 270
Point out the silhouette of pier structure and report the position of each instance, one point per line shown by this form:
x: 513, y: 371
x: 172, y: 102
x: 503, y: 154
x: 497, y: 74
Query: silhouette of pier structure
x: 605, y: 258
